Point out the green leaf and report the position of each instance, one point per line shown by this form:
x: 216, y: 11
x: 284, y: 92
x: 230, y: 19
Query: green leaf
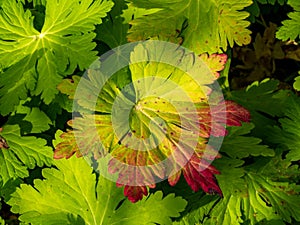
x: 291, y: 27
x: 249, y: 197
x: 136, y: 12
x: 289, y: 135
x: 218, y: 22
x: 237, y: 145
x: 296, y: 84
x: 8, y: 188
x: 113, y: 30
x: 72, y: 190
x: 263, y: 190
x: 254, y: 11
x: 2, y: 221
x: 260, y: 98
x: 65, y: 42
x: 39, y: 120
x: 11, y: 167
x: 15, y: 82
x: 25, y: 152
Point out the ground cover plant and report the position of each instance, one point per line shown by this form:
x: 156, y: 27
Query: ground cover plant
x: 149, y: 112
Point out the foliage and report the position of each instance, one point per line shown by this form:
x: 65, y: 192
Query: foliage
x: 62, y: 160
x: 297, y: 83
x: 22, y: 153
x: 97, y: 200
x: 146, y: 109
x: 221, y: 22
x: 290, y: 28
x: 39, y: 59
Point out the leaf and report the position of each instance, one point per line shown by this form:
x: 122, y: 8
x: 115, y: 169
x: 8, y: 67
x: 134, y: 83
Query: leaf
x: 199, y: 174
x: 113, y: 30
x: 39, y: 120
x: 39, y: 60
x: 296, y: 84
x: 15, y: 82
x: 25, y: 152
x: 8, y: 188
x: 218, y: 22
x: 262, y: 190
x: 291, y: 28
x: 68, y: 86
x: 258, y: 62
x: 11, y: 167
x: 215, y: 62
x: 215, y: 116
x: 135, y: 12
x: 249, y: 197
x: 73, y: 190
x: 66, y: 144
x: 238, y: 143
x: 2, y: 221
x: 261, y: 97
x: 150, y: 119
x: 288, y: 135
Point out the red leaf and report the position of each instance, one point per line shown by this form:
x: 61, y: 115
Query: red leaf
x: 134, y: 175
x: 215, y: 125
x: 199, y: 174
x: 236, y: 114
x: 135, y: 193
x: 174, y: 178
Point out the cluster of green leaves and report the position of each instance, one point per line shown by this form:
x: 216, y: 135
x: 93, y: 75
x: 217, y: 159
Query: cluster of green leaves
x: 291, y: 28
x: 260, y: 179
x: 44, y: 41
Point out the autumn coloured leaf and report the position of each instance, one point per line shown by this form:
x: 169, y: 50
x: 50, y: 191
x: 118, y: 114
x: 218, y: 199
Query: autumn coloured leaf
x: 199, y: 174
x: 135, y: 193
x: 215, y: 62
x: 213, y: 118
x: 148, y: 132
